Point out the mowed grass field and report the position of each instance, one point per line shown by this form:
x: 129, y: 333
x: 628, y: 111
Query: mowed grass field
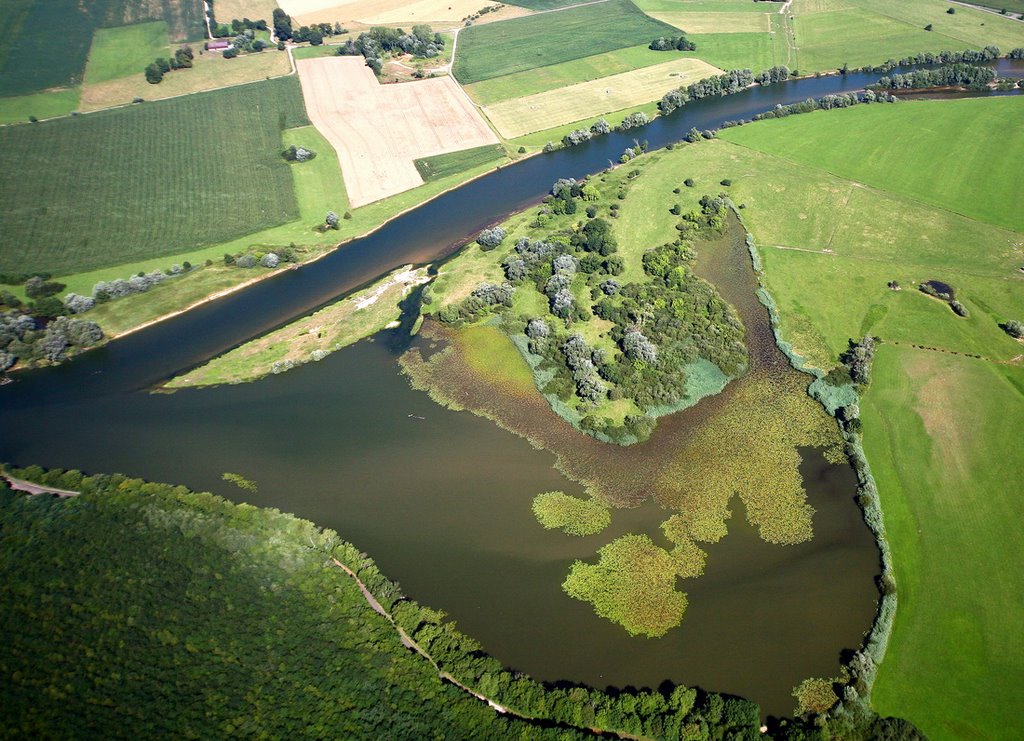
x: 46, y: 42
x: 942, y: 427
x: 496, y: 49
x: 928, y: 150
x: 830, y: 33
x: 942, y: 434
x: 720, y: 22
x: 513, y: 118
x: 40, y: 105
x: 123, y: 51
x: 149, y: 180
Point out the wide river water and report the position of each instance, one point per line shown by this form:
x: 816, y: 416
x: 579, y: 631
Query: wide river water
x: 442, y: 503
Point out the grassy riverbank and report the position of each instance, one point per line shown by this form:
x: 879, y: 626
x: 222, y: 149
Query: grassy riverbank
x: 311, y: 338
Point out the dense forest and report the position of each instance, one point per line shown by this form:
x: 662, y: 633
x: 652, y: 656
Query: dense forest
x: 142, y: 608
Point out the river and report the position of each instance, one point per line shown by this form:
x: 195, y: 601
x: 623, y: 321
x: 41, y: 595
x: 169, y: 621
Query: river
x: 442, y: 503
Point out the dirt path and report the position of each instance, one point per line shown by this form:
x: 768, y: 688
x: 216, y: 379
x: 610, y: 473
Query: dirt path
x: 411, y: 644
x: 29, y: 488
x: 1019, y: 17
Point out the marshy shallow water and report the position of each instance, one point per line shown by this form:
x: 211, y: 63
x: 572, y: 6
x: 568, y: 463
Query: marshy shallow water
x: 442, y: 504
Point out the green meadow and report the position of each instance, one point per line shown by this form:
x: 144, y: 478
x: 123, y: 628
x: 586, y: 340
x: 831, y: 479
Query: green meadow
x: 551, y: 77
x: 126, y: 50
x: 835, y: 223
x: 942, y: 433
x: 40, y: 105
x: 497, y: 49
x: 935, y: 152
x: 831, y: 33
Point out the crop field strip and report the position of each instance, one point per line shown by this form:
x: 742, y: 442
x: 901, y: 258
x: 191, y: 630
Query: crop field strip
x: 717, y: 22
x: 111, y: 206
x: 31, y: 60
x: 703, y: 6
x: 373, y: 12
x: 542, y: 79
x: 498, y: 49
x: 521, y: 116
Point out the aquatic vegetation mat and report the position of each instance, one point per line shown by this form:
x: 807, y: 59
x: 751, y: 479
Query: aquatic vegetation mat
x: 574, y: 516
x: 633, y: 583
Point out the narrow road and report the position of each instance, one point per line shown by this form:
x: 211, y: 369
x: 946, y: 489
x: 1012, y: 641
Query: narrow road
x: 1019, y: 17
x: 29, y: 488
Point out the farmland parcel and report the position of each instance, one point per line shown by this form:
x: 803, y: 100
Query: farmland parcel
x: 47, y: 44
x: 150, y: 180
x: 423, y: 118
x: 545, y: 110
x: 536, y: 41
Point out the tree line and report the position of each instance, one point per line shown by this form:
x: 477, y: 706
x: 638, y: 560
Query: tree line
x: 247, y: 628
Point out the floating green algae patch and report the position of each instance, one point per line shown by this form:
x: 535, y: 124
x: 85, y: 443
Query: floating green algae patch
x: 689, y: 557
x: 574, y: 516
x: 633, y: 584
x: 751, y: 450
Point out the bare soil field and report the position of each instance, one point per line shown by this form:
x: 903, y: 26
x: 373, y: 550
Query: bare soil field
x: 564, y: 105
x: 378, y: 12
x: 409, y: 120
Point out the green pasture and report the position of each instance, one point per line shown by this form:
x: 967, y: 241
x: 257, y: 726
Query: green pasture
x: 961, y: 155
x: 942, y: 420
x: 41, y: 105
x: 872, y: 31
x: 942, y: 435
x: 452, y: 163
x: 755, y: 51
x: 554, y: 76
x: 150, y: 180
x: 496, y: 49
x: 120, y: 52
x: 46, y: 42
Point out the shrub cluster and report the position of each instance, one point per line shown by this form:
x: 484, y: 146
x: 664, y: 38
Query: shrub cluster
x: 943, y: 57
x: 24, y: 341
x: 159, y: 67
x: 731, y: 82
x: 953, y: 75
x: 379, y: 41
x: 672, y: 43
